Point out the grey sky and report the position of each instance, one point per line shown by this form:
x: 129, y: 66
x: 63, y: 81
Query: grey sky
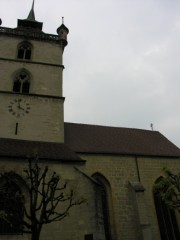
x: 122, y: 61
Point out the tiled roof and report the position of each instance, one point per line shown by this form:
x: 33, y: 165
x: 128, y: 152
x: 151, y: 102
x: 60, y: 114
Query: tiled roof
x: 44, y: 150
x: 83, y: 138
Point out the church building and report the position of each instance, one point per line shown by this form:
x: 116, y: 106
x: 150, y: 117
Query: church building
x: 114, y: 168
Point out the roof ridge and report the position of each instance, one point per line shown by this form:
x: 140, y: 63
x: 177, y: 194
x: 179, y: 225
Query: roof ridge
x: 106, y: 126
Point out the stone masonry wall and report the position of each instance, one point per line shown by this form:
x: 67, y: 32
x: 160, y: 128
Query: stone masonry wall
x: 82, y: 218
x: 45, y: 119
x: 119, y: 171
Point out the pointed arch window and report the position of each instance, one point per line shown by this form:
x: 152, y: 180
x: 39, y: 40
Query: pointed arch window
x: 11, y: 205
x: 166, y: 218
x: 22, y: 82
x: 24, y: 51
x: 105, y: 211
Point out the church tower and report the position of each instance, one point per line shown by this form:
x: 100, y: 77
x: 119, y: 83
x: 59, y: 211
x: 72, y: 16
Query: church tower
x: 31, y: 70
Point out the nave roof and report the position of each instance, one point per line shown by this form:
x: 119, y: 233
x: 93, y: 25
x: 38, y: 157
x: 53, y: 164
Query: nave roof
x: 84, y: 138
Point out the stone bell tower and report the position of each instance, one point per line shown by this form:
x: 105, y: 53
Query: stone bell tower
x: 31, y: 70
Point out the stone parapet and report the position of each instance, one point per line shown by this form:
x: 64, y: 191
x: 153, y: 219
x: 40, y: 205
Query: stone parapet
x: 18, y: 32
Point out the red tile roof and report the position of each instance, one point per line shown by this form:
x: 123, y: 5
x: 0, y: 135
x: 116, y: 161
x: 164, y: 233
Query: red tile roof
x: 83, y: 138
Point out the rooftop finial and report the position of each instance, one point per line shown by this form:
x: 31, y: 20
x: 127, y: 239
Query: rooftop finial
x: 33, y: 4
x: 31, y: 16
x: 62, y: 20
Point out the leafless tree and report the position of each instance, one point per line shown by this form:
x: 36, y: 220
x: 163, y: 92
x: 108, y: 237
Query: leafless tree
x: 48, y: 200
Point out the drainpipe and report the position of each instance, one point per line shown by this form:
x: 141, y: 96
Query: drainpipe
x: 137, y: 168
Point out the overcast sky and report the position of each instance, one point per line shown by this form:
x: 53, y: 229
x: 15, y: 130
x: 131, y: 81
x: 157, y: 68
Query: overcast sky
x: 122, y: 60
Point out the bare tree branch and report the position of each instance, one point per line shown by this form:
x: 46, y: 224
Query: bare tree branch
x: 46, y: 194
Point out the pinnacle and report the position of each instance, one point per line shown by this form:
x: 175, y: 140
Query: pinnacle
x: 31, y: 16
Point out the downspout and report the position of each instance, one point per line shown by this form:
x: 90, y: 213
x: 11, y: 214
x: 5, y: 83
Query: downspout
x: 137, y: 168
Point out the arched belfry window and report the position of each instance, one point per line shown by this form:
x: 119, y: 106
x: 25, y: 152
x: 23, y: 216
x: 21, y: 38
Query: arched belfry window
x: 166, y: 218
x: 103, y: 196
x: 24, y: 51
x: 21, y: 82
x: 11, y: 204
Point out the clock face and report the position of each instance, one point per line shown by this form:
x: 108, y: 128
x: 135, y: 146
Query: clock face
x: 19, y: 107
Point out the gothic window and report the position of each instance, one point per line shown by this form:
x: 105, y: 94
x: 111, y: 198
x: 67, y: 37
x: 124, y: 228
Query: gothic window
x: 24, y: 51
x: 166, y: 218
x: 21, y: 82
x: 11, y: 205
x: 104, y: 205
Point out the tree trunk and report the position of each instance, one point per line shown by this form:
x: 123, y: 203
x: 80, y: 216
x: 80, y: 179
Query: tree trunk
x: 35, y: 233
x: 35, y: 236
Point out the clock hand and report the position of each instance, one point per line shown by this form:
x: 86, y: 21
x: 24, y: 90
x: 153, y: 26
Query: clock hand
x: 21, y: 108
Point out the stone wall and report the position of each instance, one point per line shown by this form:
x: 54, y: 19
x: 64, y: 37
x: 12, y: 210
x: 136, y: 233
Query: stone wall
x: 45, y: 119
x: 82, y: 218
x: 119, y: 171
x: 133, y: 215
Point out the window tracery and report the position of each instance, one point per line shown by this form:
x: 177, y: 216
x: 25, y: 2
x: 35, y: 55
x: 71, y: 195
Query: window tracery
x: 24, y: 51
x: 21, y: 82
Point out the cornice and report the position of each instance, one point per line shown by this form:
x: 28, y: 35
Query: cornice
x: 33, y: 95
x: 30, y: 34
x: 32, y: 62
